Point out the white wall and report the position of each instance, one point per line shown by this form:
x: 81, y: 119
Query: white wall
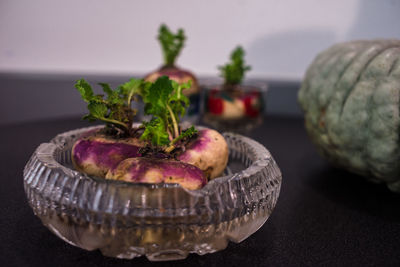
x: 281, y: 37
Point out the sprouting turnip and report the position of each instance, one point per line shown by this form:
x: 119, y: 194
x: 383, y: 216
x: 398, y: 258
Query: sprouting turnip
x: 172, y: 45
x: 158, y: 151
x: 151, y: 170
x: 233, y: 101
x: 96, y: 154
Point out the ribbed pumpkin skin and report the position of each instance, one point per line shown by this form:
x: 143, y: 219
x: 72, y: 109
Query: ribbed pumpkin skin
x: 350, y: 98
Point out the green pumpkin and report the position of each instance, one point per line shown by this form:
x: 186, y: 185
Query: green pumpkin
x: 350, y: 98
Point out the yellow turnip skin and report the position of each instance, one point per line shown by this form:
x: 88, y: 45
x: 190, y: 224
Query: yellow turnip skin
x: 209, y: 152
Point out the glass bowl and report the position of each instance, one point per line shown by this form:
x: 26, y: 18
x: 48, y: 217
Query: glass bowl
x: 237, y: 108
x: 160, y: 221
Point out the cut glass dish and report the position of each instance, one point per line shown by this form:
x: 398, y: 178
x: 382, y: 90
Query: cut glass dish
x: 160, y: 221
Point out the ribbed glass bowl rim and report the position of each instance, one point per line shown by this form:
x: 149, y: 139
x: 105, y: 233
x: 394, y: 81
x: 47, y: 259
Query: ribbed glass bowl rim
x: 45, y: 155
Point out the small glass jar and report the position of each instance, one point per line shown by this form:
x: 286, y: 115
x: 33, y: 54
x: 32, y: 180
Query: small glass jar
x: 237, y: 108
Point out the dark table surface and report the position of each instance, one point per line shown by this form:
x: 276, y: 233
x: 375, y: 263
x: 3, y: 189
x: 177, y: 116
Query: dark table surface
x: 323, y: 217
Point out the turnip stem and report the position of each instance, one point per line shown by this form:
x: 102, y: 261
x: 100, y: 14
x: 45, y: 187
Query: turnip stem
x: 169, y: 135
x: 172, y: 145
x: 174, y: 123
x: 169, y: 148
x: 116, y: 122
x: 129, y: 101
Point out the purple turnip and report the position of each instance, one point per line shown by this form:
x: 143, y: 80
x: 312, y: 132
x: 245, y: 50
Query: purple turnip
x: 96, y: 155
x: 157, y: 151
x: 151, y: 170
x: 171, y: 45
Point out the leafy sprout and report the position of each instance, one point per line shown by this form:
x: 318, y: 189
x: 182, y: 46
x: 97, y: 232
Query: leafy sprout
x: 115, y: 109
x: 163, y: 100
x: 171, y: 44
x: 166, y: 103
x: 234, y: 71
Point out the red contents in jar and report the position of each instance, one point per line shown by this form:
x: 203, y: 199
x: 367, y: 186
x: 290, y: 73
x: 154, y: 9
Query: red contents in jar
x: 215, y: 104
x: 251, y: 104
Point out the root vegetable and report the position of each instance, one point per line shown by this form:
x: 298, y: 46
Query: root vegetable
x: 209, y: 152
x: 178, y: 75
x: 96, y: 155
x: 158, y: 151
x: 150, y: 170
x: 172, y: 45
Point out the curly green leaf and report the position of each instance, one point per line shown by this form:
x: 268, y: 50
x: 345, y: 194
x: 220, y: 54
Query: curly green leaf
x: 233, y: 72
x: 171, y: 44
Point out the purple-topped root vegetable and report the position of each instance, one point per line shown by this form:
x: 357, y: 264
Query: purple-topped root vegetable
x: 172, y: 45
x: 233, y: 101
x: 209, y: 152
x: 150, y: 170
x: 158, y: 151
x: 178, y: 75
x: 96, y: 155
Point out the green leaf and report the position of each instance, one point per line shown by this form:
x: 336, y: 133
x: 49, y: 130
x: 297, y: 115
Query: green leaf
x: 131, y: 88
x: 177, y: 92
x: 85, y: 90
x: 116, y: 109
x: 89, y: 117
x: 106, y: 88
x: 112, y: 95
x: 163, y: 100
x: 187, y: 133
x: 97, y: 110
x: 155, y: 132
x: 156, y: 98
x: 178, y: 101
x: 166, y: 103
x: 171, y: 44
x: 234, y: 72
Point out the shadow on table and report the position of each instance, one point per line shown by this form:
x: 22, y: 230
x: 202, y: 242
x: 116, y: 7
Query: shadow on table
x: 355, y: 192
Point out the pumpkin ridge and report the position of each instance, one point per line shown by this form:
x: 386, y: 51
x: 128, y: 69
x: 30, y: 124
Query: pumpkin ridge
x: 395, y: 63
x: 394, y: 155
x: 370, y: 162
x: 365, y: 154
x: 329, y: 66
x: 323, y: 114
x: 362, y: 77
x: 307, y: 94
x: 382, y: 70
x: 340, y: 101
x: 396, y: 129
x: 320, y: 60
x: 323, y: 124
x: 334, y: 65
x: 354, y: 121
x: 360, y: 73
x: 347, y: 65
